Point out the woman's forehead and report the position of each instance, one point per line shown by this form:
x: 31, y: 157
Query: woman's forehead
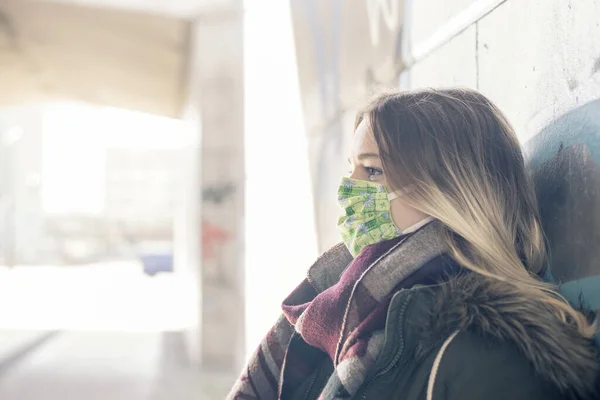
x: 363, y: 140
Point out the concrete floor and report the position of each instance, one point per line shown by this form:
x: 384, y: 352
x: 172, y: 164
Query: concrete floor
x: 97, y: 333
x: 100, y: 366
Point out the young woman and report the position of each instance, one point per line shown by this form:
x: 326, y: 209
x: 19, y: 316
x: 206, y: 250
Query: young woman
x: 435, y: 291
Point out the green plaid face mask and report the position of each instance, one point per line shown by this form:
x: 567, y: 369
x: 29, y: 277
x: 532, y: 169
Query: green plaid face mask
x: 367, y: 216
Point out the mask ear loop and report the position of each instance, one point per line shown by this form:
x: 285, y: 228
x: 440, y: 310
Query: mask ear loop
x: 399, y: 193
x: 393, y: 196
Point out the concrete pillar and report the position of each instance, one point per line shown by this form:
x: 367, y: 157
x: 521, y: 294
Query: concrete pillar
x: 217, y: 91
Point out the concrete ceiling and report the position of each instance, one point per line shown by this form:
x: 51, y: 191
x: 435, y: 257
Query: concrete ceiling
x: 174, y: 8
x: 134, y: 57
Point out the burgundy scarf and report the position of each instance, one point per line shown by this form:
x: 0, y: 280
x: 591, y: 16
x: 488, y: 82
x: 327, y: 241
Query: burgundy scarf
x: 320, y: 320
x: 344, y: 321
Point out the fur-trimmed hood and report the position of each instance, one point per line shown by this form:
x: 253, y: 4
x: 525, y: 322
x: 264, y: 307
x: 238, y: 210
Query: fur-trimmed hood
x: 494, y: 309
x: 506, y: 313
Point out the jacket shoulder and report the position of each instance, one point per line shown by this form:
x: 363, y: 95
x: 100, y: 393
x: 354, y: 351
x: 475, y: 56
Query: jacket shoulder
x: 478, y: 367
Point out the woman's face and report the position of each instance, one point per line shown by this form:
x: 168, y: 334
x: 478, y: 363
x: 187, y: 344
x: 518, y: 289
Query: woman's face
x: 365, y: 165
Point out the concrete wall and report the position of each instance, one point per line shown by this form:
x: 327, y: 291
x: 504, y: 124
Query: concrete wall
x: 539, y: 60
x: 534, y: 58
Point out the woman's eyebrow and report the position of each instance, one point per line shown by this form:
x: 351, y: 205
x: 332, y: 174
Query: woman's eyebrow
x: 362, y: 156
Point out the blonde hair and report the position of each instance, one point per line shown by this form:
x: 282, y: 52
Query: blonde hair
x: 465, y: 165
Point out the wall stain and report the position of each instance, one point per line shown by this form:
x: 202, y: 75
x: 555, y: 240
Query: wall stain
x: 573, y: 84
x: 596, y: 66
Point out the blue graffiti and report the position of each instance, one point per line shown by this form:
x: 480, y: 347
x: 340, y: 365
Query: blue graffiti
x: 579, y: 126
x: 565, y: 163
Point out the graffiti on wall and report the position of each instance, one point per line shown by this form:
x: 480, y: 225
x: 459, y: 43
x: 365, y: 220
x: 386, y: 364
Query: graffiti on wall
x: 565, y: 162
x: 387, y: 11
x: 213, y: 239
x: 216, y: 234
x: 217, y: 193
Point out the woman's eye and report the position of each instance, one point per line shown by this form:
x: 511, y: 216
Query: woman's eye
x: 373, y: 171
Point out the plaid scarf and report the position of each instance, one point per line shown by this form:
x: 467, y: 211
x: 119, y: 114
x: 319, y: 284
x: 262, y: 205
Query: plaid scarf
x: 341, y: 317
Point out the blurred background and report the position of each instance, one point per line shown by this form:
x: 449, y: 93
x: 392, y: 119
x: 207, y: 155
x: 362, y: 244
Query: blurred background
x: 168, y: 169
